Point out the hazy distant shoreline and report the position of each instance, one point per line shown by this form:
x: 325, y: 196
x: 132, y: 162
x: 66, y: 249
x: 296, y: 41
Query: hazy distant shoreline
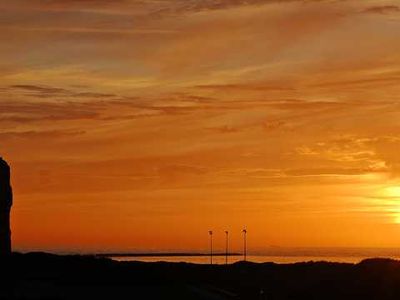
x: 290, y: 252
x: 280, y: 256
x: 272, y: 251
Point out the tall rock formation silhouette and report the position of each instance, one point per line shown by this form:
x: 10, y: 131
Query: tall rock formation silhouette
x: 6, y: 199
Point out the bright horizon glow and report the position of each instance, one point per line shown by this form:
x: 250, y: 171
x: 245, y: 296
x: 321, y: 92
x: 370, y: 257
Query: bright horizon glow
x: 393, y: 195
x: 178, y: 117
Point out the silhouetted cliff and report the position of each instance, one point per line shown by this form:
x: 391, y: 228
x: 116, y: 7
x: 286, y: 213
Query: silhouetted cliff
x: 5, y: 207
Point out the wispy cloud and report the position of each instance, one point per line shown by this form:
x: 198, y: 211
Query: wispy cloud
x: 269, y: 113
x: 384, y: 9
x: 33, y: 135
x: 48, y: 91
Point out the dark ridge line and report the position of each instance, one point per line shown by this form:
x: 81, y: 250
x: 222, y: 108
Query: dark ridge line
x: 174, y: 254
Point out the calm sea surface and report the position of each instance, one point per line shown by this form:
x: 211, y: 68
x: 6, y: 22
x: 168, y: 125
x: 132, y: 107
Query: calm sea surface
x: 252, y: 258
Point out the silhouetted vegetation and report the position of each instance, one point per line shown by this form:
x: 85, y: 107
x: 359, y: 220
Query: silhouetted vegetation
x: 46, y: 276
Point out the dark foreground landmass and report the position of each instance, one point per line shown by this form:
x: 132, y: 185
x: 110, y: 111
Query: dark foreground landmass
x: 45, y: 276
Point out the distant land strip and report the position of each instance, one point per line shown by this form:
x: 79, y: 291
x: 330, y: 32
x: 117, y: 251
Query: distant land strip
x: 162, y: 254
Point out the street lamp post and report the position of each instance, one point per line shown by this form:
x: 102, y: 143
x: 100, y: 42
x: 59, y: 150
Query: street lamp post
x: 211, y: 246
x: 244, y: 244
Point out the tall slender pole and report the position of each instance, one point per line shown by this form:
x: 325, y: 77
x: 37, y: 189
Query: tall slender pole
x: 226, y: 246
x: 211, y: 246
x: 244, y: 244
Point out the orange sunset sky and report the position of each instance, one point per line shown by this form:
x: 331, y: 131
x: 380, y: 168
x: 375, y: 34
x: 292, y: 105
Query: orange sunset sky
x: 137, y: 125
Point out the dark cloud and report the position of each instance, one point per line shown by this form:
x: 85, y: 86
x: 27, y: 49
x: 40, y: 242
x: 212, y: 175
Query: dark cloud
x: 44, y: 91
x: 32, y: 134
x: 40, y: 89
x: 254, y: 87
x: 59, y: 104
x: 56, y: 3
x: 182, y: 6
x: 21, y: 112
x: 152, y: 8
x: 85, y: 1
x: 93, y: 95
x: 366, y: 81
x: 84, y: 105
x: 385, y: 9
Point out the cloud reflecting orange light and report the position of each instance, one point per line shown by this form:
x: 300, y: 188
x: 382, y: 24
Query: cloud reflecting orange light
x: 137, y: 125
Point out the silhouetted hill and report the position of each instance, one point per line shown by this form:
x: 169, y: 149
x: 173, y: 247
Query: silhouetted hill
x: 164, y: 254
x: 47, y: 276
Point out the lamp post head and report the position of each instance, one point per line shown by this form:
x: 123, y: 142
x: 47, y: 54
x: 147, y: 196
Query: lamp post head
x: 244, y: 231
x: 226, y: 232
x: 210, y: 232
